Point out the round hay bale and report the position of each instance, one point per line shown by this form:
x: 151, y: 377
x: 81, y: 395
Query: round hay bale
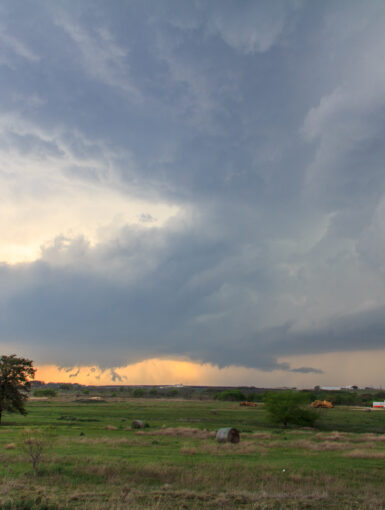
x: 227, y: 435
x: 138, y: 424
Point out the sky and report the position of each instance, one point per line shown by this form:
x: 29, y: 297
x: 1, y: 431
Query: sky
x: 194, y: 191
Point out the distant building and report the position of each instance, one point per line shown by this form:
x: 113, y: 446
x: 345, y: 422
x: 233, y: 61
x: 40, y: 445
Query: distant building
x: 331, y: 388
x: 379, y: 405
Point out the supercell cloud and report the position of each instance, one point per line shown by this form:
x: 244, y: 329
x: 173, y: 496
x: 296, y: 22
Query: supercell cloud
x: 195, y: 180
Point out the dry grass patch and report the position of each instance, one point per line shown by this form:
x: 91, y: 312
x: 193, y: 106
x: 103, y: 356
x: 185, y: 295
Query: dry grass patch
x: 242, y: 448
x: 10, y: 446
x: 326, y: 446
x: 332, y: 436
x: 364, y: 454
x: 261, y: 435
x: 180, y: 432
x: 110, y: 427
x: 373, y: 437
x: 307, y: 444
x: 298, y: 432
x: 110, y: 441
x: 189, y: 450
x: 234, y: 485
x: 118, y: 473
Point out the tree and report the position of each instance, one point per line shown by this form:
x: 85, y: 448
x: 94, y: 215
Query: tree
x: 287, y: 408
x: 33, y: 442
x: 15, y: 383
x: 232, y: 395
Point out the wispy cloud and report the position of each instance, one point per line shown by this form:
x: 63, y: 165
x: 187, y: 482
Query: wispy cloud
x: 102, y: 57
x: 17, y: 46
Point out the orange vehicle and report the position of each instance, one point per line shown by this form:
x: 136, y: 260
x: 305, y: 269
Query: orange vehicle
x: 322, y: 403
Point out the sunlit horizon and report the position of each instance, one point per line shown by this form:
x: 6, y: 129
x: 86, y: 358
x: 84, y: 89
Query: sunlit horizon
x: 159, y: 372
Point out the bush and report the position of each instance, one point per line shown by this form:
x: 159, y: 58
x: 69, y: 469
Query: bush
x: 232, y: 395
x: 172, y: 393
x: 287, y: 408
x: 32, y: 443
x: 138, y: 392
x: 255, y: 397
x: 48, y: 392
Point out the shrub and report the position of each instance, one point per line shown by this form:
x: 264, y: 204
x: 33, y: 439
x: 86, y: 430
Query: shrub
x: 32, y: 443
x: 255, y: 397
x: 172, y: 393
x: 48, y: 392
x: 234, y: 395
x: 287, y: 408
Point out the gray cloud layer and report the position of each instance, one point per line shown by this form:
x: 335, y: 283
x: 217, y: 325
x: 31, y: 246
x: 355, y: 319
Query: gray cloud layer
x: 262, y: 123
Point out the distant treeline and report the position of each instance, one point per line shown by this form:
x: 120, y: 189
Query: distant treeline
x: 341, y: 397
x: 357, y: 397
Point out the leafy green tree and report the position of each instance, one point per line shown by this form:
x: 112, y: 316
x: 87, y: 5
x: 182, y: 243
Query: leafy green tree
x: 15, y: 383
x: 232, y: 395
x: 288, y: 408
x: 255, y: 397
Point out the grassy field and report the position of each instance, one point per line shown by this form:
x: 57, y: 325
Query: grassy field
x: 94, y: 460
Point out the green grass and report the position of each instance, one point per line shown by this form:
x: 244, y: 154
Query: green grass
x: 97, y: 461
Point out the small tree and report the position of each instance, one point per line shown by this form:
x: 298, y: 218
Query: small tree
x: 15, y: 383
x: 33, y: 443
x: 287, y: 408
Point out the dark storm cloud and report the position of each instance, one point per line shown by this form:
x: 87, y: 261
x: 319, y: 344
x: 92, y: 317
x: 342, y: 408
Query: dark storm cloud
x: 306, y: 370
x: 262, y: 123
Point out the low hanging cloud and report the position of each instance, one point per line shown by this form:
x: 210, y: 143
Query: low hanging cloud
x: 307, y: 370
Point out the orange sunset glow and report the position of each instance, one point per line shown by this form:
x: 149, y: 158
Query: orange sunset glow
x: 352, y: 368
